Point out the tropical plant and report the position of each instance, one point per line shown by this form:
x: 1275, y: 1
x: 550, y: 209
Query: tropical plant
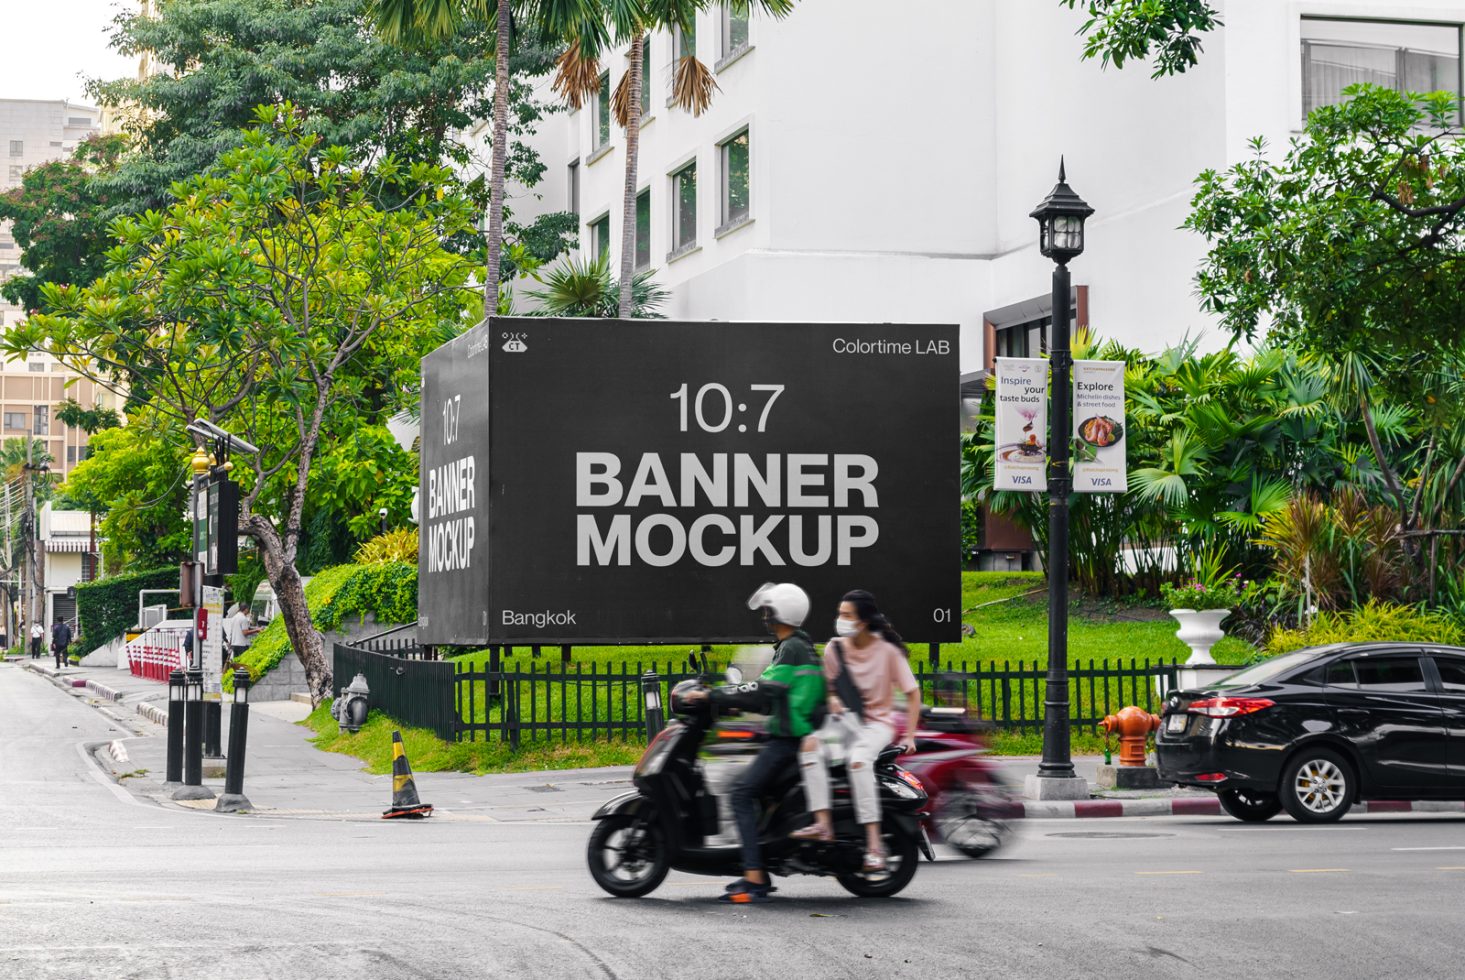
x: 583, y: 287
x: 277, y: 300
x: 1374, y: 620
x: 399, y: 545
x: 578, y: 78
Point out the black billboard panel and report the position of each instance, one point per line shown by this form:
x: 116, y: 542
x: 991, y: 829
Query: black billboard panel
x: 635, y: 481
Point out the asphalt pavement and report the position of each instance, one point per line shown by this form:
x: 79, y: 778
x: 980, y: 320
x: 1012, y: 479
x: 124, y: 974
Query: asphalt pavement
x: 98, y: 882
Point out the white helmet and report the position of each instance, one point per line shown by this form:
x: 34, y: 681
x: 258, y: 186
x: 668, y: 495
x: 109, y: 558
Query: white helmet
x: 788, y: 604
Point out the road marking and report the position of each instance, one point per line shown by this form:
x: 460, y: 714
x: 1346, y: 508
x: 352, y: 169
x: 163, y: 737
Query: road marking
x: 1448, y: 847
x: 1287, y: 830
x: 1039, y: 874
x: 1169, y: 872
x: 1451, y: 867
x: 1317, y: 871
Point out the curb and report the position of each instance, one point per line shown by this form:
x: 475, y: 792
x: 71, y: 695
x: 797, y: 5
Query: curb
x: 103, y: 691
x: 153, y: 714
x: 1202, y: 807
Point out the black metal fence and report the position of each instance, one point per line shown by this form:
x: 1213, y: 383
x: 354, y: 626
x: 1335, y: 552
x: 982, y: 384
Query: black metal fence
x: 416, y: 692
x: 549, y: 699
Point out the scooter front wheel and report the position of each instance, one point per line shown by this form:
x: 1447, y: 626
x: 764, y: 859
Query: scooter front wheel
x: 627, y: 856
x: 973, y: 818
x: 902, y: 854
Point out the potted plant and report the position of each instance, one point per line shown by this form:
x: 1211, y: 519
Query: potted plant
x: 1200, y: 609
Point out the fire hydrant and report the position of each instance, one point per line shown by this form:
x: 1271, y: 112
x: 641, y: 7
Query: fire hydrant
x: 350, y: 708
x: 1133, y: 726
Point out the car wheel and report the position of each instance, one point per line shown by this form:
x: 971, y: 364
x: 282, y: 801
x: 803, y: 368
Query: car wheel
x: 1317, y: 786
x: 1250, y: 805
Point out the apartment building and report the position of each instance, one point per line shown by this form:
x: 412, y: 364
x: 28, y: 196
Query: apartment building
x: 860, y: 166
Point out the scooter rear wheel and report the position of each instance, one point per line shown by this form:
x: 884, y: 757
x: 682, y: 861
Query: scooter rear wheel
x: 971, y: 818
x: 902, y: 855
x: 627, y: 857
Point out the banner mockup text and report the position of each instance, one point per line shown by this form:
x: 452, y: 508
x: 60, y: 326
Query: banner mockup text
x: 1021, y: 455
x: 1098, y: 427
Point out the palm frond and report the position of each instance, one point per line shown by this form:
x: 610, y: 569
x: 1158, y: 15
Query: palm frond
x: 576, y: 76
x: 693, y: 87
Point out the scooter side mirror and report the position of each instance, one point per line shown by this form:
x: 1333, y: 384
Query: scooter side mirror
x: 734, y: 676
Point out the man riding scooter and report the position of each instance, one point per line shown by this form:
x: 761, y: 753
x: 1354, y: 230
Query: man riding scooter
x: 796, y: 669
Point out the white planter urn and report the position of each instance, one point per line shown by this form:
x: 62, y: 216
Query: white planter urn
x: 1199, y: 630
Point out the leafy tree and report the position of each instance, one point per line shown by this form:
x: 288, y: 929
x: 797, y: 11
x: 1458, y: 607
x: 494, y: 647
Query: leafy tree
x: 138, y: 476
x: 1352, y: 246
x: 264, y: 300
x: 1129, y: 30
x: 89, y: 420
x: 57, y: 216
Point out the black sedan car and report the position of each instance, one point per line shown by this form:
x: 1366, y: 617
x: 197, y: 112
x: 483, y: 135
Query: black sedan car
x: 1316, y: 730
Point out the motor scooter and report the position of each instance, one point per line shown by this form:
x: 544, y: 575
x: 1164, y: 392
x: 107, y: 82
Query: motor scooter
x: 670, y: 820
x: 973, y: 802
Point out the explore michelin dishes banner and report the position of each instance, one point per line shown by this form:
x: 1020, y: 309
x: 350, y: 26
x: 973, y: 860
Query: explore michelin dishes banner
x: 1098, y: 427
x: 1022, y: 424
x: 622, y: 481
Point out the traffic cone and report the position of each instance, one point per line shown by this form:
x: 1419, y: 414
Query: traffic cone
x: 404, y: 791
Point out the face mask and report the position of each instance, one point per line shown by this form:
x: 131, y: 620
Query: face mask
x: 846, y: 627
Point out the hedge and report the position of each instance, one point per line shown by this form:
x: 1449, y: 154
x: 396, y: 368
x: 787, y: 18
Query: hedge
x: 107, y: 608
x: 387, y: 591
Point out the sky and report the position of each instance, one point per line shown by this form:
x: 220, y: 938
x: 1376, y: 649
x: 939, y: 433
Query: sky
x: 50, y: 46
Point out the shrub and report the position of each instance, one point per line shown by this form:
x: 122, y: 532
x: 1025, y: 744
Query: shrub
x: 1196, y: 595
x: 393, y: 546
x: 1374, y: 621
x: 388, y: 591
x: 971, y: 529
x: 107, y: 608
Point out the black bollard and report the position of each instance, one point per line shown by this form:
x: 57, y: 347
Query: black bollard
x: 175, y: 731
x: 193, y: 787
x: 234, y: 799
x: 651, y: 692
x: 213, y: 722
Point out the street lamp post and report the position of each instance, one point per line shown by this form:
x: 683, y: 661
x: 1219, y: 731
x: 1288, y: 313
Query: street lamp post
x: 1060, y: 218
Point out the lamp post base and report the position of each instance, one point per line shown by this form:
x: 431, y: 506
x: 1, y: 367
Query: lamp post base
x: 1055, y: 788
x: 193, y: 793
x: 233, y: 803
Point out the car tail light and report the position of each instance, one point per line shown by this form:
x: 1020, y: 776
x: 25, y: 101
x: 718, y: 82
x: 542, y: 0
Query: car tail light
x: 1228, y: 707
x: 1211, y: 777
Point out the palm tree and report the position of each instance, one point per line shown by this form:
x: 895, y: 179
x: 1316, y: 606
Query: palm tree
x: 584, y: 288
x: 578, y: 78
x: 425, y: 21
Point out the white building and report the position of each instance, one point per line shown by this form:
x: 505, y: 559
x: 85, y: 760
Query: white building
x: 863, y: 166
x: 33, y: 132
x: 68, y: 550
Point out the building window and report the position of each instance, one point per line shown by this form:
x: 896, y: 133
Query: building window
x: 1024, y: 339
x: 687, y: 41
x: 600, y: 237
x: 17, y: 148
x: 735, y: 179
x: 734, y: 32
x: 1399, y: 56
x: 16, y: 421
x: 70, y: 455
x: 36, y: 366
x: 600, y: 117
x: 643, y: 230
x: 684, y: 220
x: 16, y: 173
x: 42, y: 420
x: 645, y: 76
x: 78, y: 121
x: 574, y: 188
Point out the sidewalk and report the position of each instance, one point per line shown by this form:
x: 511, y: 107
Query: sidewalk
x: 286, y: 776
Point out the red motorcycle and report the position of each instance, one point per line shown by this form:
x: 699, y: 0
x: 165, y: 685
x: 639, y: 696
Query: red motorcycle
x: 972, y: 801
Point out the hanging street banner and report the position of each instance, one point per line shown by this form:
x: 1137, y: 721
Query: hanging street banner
x: 619, y: 481
x: 1021, y: 455
x: 1098, y: 427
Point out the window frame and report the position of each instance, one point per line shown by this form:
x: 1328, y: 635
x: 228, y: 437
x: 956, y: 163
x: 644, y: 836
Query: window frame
x: 725, y: 222
x: 727, y: 53
x: 593, y: 237
x: 642, y: 246
x: 600, y: 115
x: 1300, y: 102
x: 17, y: 149
x: 680, y: 247
x: 572, y: 190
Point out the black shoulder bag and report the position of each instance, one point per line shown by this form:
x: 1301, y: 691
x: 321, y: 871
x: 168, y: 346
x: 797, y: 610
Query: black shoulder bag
x: 845, y: 687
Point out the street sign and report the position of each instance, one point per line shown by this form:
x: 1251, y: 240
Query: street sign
x: 223, y: 527
x: 620, y: 481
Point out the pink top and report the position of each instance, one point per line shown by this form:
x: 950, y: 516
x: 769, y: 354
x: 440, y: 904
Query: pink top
x: 878, y: 671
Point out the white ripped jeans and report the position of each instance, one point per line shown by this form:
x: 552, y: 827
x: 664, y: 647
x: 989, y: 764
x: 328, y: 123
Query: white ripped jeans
x: 867, y: 740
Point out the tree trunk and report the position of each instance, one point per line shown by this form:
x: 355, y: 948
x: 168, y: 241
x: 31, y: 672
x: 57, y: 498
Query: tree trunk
x: 500, y: 155
x: 628, y: 206
x: 290, y: 594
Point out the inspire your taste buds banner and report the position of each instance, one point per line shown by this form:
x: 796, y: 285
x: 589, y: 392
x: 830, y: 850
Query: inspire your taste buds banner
x: 1021, y: 451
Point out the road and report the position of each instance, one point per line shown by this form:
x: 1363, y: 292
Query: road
x: 94, y: 883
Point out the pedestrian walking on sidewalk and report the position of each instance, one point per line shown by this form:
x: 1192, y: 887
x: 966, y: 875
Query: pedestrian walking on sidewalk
x: 60, y: 641
x: 38, y: 636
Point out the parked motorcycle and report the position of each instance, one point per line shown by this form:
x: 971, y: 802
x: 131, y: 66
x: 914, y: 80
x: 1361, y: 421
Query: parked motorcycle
x: 671, y: 819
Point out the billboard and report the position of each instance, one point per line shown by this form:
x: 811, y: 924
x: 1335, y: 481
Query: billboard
x: 635, y: 481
